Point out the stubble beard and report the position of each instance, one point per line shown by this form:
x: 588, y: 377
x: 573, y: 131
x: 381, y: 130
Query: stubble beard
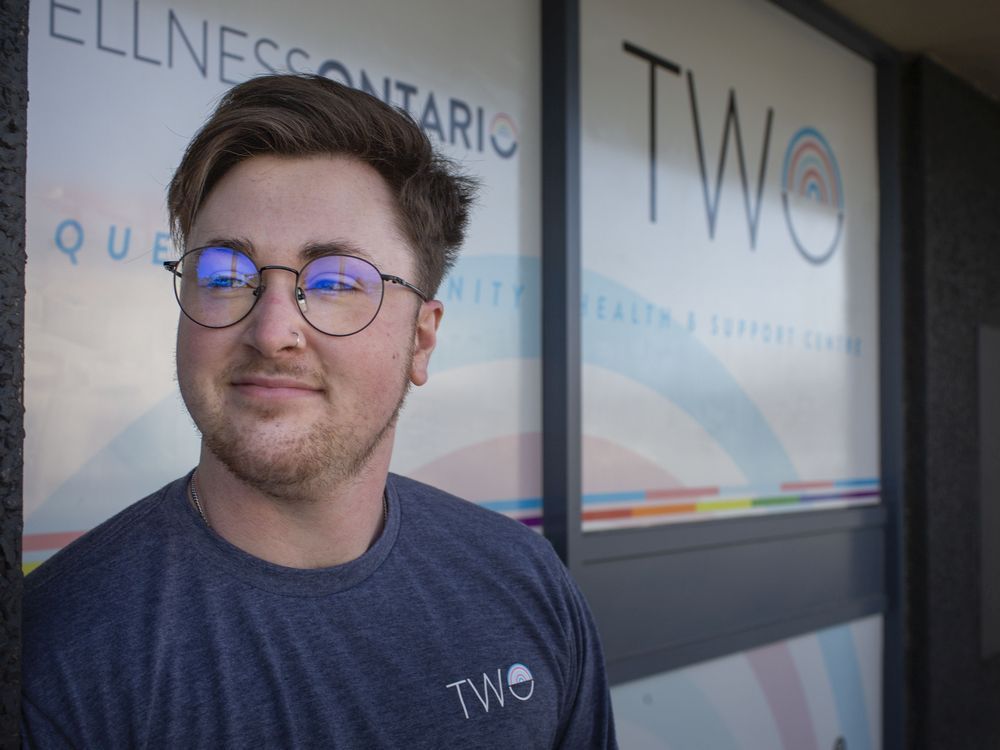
x: 322, y: 455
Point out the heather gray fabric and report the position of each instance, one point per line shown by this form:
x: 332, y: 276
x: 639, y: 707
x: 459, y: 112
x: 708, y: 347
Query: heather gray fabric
x: 459, y: 628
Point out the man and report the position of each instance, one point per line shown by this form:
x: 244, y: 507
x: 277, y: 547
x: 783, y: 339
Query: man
x: 290, y: 592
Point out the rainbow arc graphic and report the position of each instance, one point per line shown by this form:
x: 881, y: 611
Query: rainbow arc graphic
x: 503, y: 134
x: 517, y: 674
x: 810, y: 180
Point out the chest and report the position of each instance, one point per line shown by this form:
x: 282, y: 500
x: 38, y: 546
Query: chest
x: 369, y: 668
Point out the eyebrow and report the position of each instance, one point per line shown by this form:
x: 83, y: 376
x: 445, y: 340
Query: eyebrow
x: 236, y: 243
x: 313, y: 250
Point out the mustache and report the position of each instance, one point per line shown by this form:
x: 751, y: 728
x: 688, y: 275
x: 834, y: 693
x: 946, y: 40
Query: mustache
x: 253, y: 367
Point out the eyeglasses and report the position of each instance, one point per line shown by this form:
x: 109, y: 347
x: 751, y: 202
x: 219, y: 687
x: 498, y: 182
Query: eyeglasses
x: 338, y: 295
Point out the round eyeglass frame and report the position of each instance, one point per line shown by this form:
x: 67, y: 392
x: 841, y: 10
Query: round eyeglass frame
x: 299, y: 295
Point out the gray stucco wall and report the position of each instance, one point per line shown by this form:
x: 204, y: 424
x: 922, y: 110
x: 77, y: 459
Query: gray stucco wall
x: 952, y: 286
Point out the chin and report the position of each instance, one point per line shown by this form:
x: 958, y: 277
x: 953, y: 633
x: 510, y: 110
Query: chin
x: 279, y: 451
x: 275, y: 460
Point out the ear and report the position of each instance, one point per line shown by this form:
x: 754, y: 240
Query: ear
x: 424, y: 339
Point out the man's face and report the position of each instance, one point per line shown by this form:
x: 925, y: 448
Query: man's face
x: 276, y: 413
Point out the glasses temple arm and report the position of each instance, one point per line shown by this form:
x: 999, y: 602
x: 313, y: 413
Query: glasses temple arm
x: 407, y: 284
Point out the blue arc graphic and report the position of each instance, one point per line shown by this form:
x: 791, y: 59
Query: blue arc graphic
x: 840, y: 657
x: 675, y: 364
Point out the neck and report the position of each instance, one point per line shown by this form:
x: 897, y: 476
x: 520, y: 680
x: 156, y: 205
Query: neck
x: 318, y: 524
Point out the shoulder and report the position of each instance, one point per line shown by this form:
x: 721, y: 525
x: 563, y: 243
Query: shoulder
x: 82, y: 603
x: 126, y: 538
x: 514, y: 587
x: 435, y: 511
x: 461, y: 535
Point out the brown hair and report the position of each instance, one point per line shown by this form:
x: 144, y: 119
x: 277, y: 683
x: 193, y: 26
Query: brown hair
x: 304, y: 115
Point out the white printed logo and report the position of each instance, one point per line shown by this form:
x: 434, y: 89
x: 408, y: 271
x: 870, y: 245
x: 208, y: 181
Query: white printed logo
x: 520, y: 684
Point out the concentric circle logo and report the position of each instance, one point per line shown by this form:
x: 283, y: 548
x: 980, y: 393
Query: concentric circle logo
x: 520, y: 676
x: 518, y: 673
x: 503, y: 135
x: 812, y: 195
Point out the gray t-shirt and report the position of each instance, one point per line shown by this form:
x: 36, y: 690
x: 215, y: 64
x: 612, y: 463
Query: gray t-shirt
x: 459, y: 628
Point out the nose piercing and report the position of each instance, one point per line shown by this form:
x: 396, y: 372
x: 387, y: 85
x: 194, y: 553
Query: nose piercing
x: 298, y: 339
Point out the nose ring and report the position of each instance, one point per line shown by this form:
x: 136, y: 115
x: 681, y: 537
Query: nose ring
x: 298, y: 339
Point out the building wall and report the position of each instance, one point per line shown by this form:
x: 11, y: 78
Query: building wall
x: 952, y: 256
x: 952, y: 259
x: 13, y: 136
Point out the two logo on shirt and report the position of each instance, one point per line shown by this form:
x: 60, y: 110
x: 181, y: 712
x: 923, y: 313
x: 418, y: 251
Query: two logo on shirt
x: 519, y: 685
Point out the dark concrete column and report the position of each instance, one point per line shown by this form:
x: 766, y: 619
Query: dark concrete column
x: 13, y: 139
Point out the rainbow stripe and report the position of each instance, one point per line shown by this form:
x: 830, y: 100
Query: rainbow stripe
x: 671, y: 504
x: 37, y: 548
x: 618, y: 508
x: 42, y: 542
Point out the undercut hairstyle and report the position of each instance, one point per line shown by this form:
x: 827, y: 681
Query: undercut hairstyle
x: 308, y: 115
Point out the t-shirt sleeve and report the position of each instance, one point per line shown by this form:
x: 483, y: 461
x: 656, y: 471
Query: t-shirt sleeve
x: 38, y: 730
x: 588, y: 721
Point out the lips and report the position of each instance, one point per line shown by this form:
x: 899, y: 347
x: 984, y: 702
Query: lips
x: 270, y: 386
x: 267, y: 381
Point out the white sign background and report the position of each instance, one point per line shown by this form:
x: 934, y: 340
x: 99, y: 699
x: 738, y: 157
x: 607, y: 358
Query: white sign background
x: 803, y: 693
x: 117, y: 89
x: 739, y: 367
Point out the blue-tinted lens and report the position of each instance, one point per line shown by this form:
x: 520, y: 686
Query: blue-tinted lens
x: 342, y: 293
x: 335, y: 274
x: 221, y: 268
x: 216, y: 285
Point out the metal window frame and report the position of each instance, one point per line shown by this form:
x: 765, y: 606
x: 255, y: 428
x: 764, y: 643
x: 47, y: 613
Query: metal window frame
x: 713, y: 613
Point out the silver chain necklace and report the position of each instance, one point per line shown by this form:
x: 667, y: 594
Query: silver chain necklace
x: 197, y: 501
x: 192, y: 486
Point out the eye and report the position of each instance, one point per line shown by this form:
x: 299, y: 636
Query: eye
x: 331, y: 282
x: 227, y: 281
x: 222, y: 269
